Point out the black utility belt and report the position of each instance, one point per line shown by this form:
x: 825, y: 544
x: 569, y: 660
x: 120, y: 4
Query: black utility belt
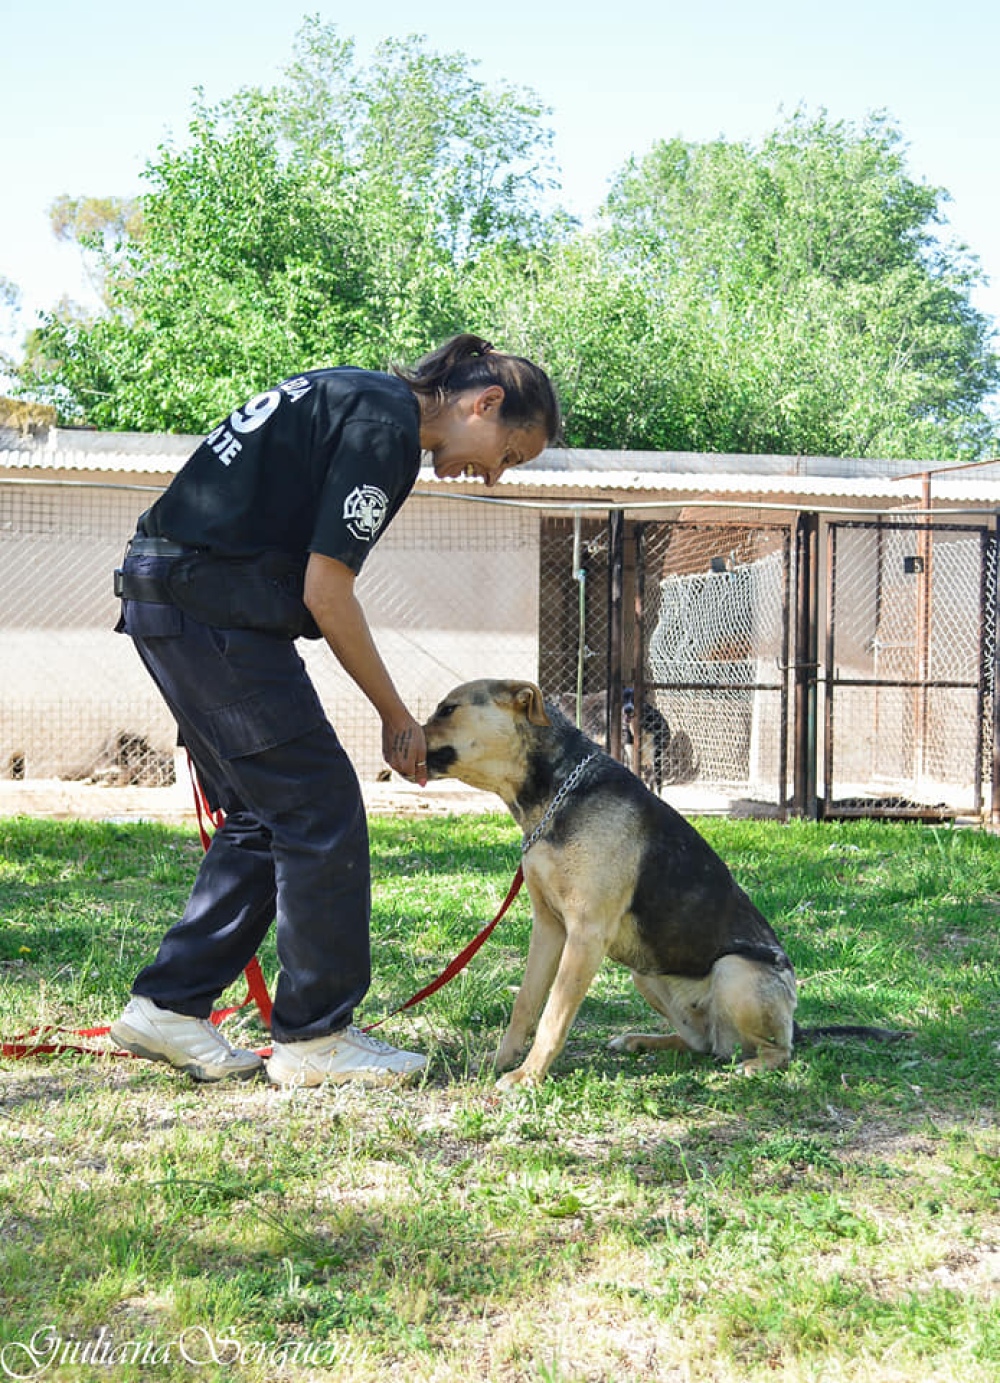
x: 263, y: 592
x: 132, y: 585
x: 141, y: 545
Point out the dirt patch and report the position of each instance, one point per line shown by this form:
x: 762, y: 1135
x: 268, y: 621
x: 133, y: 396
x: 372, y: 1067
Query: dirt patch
x: 63, y: 799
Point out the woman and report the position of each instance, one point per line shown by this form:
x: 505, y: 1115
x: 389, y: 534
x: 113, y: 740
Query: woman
x: 259, y: 538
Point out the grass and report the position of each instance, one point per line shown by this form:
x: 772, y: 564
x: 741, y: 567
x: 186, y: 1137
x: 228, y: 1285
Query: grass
x: 638, y: 1218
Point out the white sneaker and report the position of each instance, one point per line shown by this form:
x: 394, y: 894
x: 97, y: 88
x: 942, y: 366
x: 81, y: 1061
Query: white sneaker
x: 341, y: 1056
x: 191, y: 1044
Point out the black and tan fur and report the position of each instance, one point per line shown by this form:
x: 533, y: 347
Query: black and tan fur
x: 616, y: 872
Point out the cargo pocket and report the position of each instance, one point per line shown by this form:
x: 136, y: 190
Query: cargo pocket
x: 262, y: 720
x: 283, y: 756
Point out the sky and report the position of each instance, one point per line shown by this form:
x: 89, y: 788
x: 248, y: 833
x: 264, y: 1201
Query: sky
x: 89, y: 91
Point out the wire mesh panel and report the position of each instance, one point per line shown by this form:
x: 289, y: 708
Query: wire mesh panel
x: 909, y: 671
x: 451, y: 592
x: 75, y: 703
x: 682, y: 625
x: 573, y: 627
x: 990, y: 728
x: 715, y: 630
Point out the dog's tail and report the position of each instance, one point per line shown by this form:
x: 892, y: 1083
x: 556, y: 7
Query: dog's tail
x: 849, y: 1030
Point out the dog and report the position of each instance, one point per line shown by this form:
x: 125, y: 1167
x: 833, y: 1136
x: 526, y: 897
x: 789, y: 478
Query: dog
x: 593, y: 712
x: 656, y: 739
x: 593, y: 708
x: 612, y: 870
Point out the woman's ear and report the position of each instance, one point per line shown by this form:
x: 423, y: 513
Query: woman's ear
x: 488, y: 400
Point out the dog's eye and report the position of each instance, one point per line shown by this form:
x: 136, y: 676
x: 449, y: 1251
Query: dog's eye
x: 443, y: 712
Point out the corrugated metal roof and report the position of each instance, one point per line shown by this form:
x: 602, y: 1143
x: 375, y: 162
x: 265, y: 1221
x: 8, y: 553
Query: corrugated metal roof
x: 613, y: 486
x: 69, y: 449
x: 747, y: 482
x: 725, y: 463
x: 565, y: 474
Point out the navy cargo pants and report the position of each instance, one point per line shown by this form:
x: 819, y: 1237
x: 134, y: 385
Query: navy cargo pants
x: 294, y: 846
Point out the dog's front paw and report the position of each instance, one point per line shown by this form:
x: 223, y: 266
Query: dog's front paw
x: 515, y: 1080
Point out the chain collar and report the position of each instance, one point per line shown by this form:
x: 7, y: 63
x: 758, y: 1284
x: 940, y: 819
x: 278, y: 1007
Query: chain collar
x: 556, y: 802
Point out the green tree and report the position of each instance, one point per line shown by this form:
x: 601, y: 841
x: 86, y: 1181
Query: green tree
x: 10, y: 307
x: 592, y: 325
x: 329, y: 219
x: 100, y: 227
x: 795, y: 296
x: 822, y: 311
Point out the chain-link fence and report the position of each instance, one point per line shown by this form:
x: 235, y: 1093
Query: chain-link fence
x: 671, y: 640
x: 715, y: 622
x: 911, y: 629
x: 451, y: 593
x: 75, y: 702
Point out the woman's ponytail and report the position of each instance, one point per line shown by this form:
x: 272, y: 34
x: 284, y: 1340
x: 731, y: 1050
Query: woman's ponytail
x: 471, y: 362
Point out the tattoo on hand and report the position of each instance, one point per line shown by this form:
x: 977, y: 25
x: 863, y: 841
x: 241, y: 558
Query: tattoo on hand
x: 401, y: 744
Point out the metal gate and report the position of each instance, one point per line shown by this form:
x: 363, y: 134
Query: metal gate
x: 711, y: 650
x: 670, y: 646
x: 700, y: 652
x: 908, y: 690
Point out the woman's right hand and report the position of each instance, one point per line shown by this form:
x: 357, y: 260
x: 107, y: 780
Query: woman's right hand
x: 405, y: 749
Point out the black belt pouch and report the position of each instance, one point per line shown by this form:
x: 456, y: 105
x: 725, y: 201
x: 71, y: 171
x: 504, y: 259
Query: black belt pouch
x: 262, y: 593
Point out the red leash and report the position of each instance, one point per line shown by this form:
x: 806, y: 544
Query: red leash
x: 257, y: 988
x: 202, y: 807
x: 43, y: 1041
x: 461, y: 960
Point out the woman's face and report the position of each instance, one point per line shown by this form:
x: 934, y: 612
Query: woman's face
x: 467, y: 437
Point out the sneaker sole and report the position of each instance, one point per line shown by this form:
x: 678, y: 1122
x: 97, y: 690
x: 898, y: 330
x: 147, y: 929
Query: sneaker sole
x: 126, y: 1039
x: 280, y: 1074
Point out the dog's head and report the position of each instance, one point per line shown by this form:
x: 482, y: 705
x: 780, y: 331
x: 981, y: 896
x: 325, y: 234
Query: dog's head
x: 480, y: 734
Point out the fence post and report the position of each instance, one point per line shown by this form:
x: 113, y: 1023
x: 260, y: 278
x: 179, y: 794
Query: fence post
x: 994, y: 596
x: 804, y: 797
x: 639, y: 647
x: 616, y: 628
x: 580, y: 577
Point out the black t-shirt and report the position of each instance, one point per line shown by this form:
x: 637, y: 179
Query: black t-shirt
x: 320, y: 464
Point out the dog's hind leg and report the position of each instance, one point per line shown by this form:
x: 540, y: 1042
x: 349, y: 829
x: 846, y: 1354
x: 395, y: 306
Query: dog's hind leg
x: 650, y: 1042
x: 545, y: 948
x: 753, y: 1003
x: 683, y: 1003
x: 580, y: 961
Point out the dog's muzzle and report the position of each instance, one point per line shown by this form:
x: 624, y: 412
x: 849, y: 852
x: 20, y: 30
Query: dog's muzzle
x: 439, y: 761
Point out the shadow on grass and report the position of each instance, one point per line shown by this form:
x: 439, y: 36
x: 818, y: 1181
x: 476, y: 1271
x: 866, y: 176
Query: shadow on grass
x: 887, y: 926
x: 229, y: 1254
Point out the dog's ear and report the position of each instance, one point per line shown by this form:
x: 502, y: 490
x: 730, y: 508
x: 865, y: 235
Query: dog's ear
x: 529, y: 698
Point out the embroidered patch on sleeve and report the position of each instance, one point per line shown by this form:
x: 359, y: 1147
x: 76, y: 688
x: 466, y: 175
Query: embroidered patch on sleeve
x: 365, y: 509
